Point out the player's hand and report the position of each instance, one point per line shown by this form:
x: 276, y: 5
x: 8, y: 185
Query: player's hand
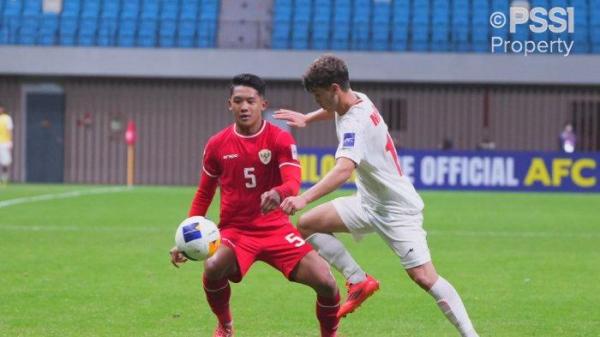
x: 293, y: 118
x: 176, y: 257
x: 269, y: 201
x: 291, y: 205
x: 10, y: 146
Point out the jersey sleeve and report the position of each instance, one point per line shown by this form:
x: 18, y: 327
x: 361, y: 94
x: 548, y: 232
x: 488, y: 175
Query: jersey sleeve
x: 351, y: 144
x: 287, y: 151
x: 210, y: 163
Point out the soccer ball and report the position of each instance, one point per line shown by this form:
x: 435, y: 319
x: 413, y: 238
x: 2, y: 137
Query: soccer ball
x: 197, y: 238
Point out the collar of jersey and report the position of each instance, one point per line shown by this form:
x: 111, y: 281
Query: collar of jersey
x: 262, y: 128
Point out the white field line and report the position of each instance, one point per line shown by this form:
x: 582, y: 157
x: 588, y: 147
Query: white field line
x: 58, y: 196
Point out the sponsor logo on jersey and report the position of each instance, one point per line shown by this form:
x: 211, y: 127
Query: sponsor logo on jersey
x: 231, y: 156
x: 294, y: 151
x: 348, y: 140
x: 265, y: 156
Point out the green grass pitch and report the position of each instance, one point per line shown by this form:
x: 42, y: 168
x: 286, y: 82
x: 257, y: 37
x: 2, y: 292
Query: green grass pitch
x: 97, y: 265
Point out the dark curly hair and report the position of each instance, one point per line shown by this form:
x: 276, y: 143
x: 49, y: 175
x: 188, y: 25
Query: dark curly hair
x: 325, y: 71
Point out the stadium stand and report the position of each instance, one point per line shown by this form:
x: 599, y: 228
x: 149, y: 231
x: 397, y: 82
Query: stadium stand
x: 376, y: 25
x: 110, y: 23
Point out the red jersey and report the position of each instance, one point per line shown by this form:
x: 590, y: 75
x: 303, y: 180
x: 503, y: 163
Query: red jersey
x: 248, y: 166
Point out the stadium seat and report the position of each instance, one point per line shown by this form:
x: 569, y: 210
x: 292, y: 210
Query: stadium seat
x: 420, y: 26
x: 170, y: 10
x: 340, y: 39
x: 67, y: 30
x: 48, y: 29
x: 361, y: 25
x: 380, y: 26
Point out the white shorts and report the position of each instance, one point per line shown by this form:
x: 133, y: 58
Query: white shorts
x: 404, y: 234
x: 5, y: 155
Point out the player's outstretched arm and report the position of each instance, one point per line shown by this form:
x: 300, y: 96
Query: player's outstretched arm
x: 300, y: 120
x: 342, y: 171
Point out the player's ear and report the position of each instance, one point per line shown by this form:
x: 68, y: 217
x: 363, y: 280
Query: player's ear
x: 335, y: 88
x: 229, y: 104
x: 265, y: 104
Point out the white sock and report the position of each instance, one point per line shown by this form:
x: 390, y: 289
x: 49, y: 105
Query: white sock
x: 334, y: 252
x: 452, y: 306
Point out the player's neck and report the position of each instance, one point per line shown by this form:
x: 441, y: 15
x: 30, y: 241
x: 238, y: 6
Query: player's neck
x: 347, y: 100
x: 249, y: 131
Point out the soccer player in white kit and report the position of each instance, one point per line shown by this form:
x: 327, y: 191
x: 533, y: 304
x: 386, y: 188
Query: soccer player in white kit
x: 386, y: 202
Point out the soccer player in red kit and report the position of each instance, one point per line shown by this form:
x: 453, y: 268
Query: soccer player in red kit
x: 256, y: 166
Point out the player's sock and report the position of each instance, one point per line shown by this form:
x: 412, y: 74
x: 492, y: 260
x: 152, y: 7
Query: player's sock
x: 327, y: 308
x: 218, y: 293
x: 452, y: 306
x: 334, y: 252
x: 4, y: 178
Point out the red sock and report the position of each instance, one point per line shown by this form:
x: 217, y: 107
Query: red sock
x: 218, y: 293
x: 327, y: 309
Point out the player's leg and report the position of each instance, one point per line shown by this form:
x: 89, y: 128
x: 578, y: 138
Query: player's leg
x: 408, y: 240
x: 3, y: 175
x: 217, y: 270
x: 5, y: 161
x: 313, y: 271
x: 318, y: 225
x: 446, y: 297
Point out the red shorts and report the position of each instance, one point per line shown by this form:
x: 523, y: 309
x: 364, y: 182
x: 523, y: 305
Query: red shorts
x: 282, y: 248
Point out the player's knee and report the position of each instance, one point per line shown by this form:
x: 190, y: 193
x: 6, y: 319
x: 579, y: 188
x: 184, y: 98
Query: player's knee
x: 326, y: 285
x: 304, y: 226
x: 422, y: 279
x: 214, y: 269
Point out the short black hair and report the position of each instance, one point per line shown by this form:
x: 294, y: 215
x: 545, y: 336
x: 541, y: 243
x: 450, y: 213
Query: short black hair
x: 249, y: 80
x: 325, y: 71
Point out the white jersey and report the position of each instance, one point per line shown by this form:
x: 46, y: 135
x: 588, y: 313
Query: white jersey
x: 383, y: 188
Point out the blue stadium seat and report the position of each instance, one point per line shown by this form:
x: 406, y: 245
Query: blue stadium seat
x: 170, y: 10
x: 11, y: 23
x: 361, y: 25
x: 12, y: 8
x: 107, y: 32
x: 90, y: 9
x: 340, y: 39
x: 110, y: 9
x: 440, y: 25
x: 48, y: 29
x: 167, y: 32
x: 32, y: 7
x: 207, y: 34
x: 189, y: 10
x: 28, y: 30
x: 321, y: 25
x: 67, y: 30
x: 127, y: 31
x: 71, y: 8
x: 130, y: 10
x: 150, y: 9
x: 420, y: 26
x: 380, y: 25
